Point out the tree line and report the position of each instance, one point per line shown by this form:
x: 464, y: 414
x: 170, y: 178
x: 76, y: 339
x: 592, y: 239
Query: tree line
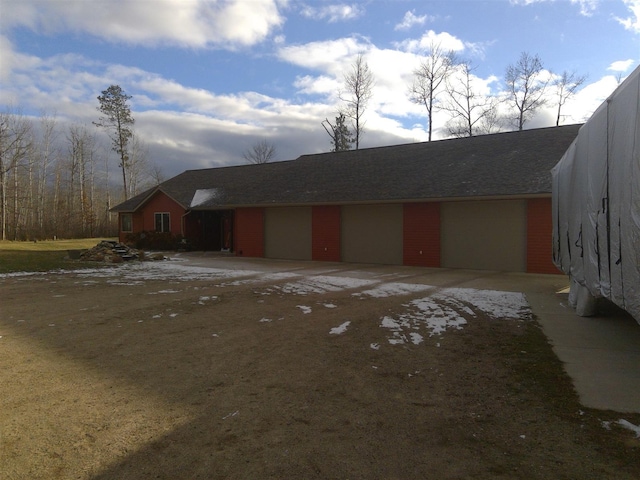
x: 443, y: 82
x: 56, y: 182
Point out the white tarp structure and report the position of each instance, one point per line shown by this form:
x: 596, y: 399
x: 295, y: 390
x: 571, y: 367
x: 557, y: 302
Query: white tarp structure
x: 596, y: 205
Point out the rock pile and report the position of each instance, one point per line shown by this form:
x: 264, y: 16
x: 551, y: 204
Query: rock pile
x: 110, y: 252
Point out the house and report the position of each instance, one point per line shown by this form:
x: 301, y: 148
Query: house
x: 596, y: 205
x: 479, y: 203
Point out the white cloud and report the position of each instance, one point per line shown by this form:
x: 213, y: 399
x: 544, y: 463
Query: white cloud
x: 632, y: 22
x: 621, y: 65
x: 194, y: 23
x: 332, y: 13
x: 587, y: 7
x: 329, y: 56
x: 410, y: 19
x: 588, y: 99
x: 422, y: 44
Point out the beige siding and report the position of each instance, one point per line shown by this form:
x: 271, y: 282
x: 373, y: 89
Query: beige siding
x: 288, y: 233
x: 484, y: 235
x: 372, y: 234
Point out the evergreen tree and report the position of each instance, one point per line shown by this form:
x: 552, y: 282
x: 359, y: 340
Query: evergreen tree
x: 341, y: 136
x: 116, y: 119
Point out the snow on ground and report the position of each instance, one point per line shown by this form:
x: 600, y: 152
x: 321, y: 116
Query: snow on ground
x: 449, y: 308
x: 392, y: 289
x: 339, y: 330
x: 439, y: 310
x: 624, y: 424
x: 319, y: 284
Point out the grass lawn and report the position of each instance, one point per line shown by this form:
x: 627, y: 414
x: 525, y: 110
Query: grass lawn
x: 41, y: 256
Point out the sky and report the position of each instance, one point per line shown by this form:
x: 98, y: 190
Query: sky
x: 211, y: 78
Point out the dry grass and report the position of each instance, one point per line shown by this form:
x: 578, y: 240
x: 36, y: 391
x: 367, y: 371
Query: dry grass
x: 40, y: 256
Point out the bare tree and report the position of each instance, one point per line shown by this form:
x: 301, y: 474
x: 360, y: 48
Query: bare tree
x: 138, y: 168
x: 261, y: 152
x: 15, y: 144
x: 80, y: 170
x: 428, y: 79
x: 117, y: 120
x: 566, y: 86
x: 156, y: 175
x: 341, y: 137
x: 472, y: 113
x: 358, y: 89
x: 48, y: 154
x: 526, y: 87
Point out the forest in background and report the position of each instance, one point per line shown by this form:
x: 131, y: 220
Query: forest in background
x: 60, y: 181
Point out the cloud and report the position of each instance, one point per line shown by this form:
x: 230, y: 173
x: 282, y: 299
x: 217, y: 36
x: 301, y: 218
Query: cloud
x: 587, y: 7
x: 410, y: 19
x: 423, y: 44
x: 329, y: 55
x: 632, y: 22
x: 621, y: 65
x: 333, y: 13
x: 194, y: 23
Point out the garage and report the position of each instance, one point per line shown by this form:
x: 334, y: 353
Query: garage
x: 484, y: 235
x: 372, y: 234
x: 287, y: 233
x: 474, y: 203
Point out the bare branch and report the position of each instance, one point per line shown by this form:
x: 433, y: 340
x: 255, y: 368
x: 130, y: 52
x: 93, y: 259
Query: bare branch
x: 261, y: 152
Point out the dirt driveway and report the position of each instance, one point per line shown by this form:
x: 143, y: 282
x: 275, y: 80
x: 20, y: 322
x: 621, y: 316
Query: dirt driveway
x: 224, y: 368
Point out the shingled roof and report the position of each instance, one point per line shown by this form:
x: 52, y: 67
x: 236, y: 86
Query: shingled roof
x: 502, y: 164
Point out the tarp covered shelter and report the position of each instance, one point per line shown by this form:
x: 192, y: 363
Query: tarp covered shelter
x: 596, y: 205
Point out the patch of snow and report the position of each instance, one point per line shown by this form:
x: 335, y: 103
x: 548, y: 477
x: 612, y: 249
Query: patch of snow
x: 450, y: 308
x: 416, y: 338
x: 322, y: 284
x: 375, y: 346
x: 268, y: 277
x: 304, y: 309
x: 167, y: 271
x: 203, y: 299
x: 497, y: 304
x: 203, y: 195
x: 264, y: 320
x: 339, y: 329
x: 629, y: 426
x: 393, y: 289
x: 329, y: 305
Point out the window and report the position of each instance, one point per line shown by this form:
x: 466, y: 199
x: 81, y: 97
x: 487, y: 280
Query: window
x: 126, y: 222
x: 162, y: 222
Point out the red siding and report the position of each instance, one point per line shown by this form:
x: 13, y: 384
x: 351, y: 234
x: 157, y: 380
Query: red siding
x: 160, y: 203
x: 421, y: 232
x: 539, y: 236
x: 249, y: 232
x: 144, y: 220
x: 325, y: 228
